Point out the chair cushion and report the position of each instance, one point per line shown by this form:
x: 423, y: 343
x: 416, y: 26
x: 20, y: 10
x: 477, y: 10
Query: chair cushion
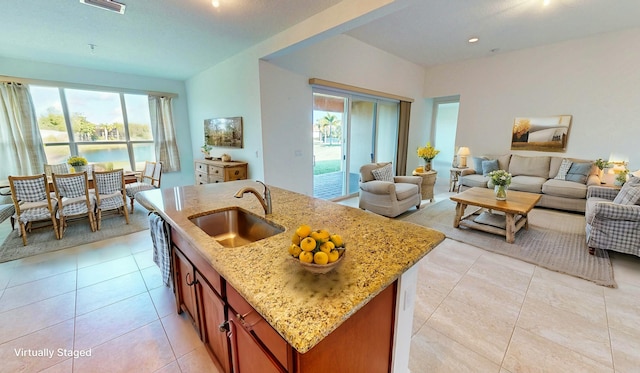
x: 629, y: 194
x: 579, y: 172
x: 384, y: 173
x: 134, y: 188
x: 404, y: 190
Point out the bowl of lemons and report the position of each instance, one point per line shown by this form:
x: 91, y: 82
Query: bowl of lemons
x: 317, y: 251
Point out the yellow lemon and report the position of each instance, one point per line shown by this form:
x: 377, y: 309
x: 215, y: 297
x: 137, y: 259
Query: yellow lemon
x: 320, y: 235
x: 294, y: 250
x: 334, y: 255
x: 295, y: 239
x: 320, y: 258
x: 308, y: 244
x: 306, y: 257
x: 327, y: 247
x: 303, y: 231
x: 337, y: 240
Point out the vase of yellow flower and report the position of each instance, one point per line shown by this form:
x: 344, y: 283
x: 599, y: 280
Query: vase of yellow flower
x: 427, y: 153
x: 77, y: 163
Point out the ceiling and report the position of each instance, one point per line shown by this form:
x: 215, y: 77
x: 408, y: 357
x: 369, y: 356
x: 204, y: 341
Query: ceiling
x: 177, y: 39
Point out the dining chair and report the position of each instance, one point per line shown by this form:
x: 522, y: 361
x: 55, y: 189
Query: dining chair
x: 58, y: 168
x: 110, y: 193
x: 32, y: 203
x: 149, y: 180
x: 74, y: 199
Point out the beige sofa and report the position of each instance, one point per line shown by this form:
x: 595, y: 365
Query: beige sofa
x: 537, y: 174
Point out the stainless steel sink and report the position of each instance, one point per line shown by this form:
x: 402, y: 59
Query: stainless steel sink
x: 234, y: 227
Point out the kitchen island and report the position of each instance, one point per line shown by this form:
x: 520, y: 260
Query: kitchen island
x: 305, y: 310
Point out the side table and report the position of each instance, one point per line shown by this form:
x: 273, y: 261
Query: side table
x: 428, y: 180
x: 454, y: 175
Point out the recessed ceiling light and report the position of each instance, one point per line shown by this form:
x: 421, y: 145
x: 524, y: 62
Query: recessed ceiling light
x: 473, y: 40
x: 110, y: 5
x: 546, y: 2
x: 215, y: 3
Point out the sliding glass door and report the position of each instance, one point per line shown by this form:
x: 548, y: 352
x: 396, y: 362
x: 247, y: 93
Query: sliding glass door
x: 349, y: 131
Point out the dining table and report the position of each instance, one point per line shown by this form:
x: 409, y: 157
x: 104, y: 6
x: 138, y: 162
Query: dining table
x: 129, y: 178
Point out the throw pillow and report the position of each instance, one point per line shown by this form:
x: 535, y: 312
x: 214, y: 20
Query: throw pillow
x: 477, y: 163
x: 579, y: 172
x: 564, y: 168
x: 629, y: 194
x: 488, y: 166
x: 384, y: 173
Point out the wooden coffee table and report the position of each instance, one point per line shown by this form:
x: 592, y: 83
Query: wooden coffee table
x: 515, y: 209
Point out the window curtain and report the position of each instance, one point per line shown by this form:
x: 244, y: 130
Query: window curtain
x: 403, y: 138
x: 165, y: 134
x: 21, y: 147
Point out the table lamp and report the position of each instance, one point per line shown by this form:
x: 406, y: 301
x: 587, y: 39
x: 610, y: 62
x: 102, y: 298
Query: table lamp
x: 463, y: 152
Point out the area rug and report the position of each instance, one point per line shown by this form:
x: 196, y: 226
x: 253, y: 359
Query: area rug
x: 43, y: 240
x: 555, y: 240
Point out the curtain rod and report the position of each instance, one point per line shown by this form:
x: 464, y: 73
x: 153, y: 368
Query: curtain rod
x: 351, y: 88
x: 91, y: 87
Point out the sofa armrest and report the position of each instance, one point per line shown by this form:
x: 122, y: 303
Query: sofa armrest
x: 602, y: 192
x: 379, y: 187
x: 417, y: 180
x: 615, y: 211
x: 593, y: 180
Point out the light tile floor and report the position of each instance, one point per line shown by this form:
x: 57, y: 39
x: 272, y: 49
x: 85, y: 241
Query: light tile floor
x: 475, y: 311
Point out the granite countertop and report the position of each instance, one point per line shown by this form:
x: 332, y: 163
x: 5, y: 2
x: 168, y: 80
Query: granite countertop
x: 303, y: 307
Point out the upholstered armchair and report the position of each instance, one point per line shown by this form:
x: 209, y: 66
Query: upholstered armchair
x: 385, y: 194
x: 613, y: 218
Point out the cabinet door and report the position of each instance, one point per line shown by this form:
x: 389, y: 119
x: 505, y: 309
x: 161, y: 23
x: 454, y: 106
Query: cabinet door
x: 213, y: 325
x: 185, y: 280
x: 248, y: 355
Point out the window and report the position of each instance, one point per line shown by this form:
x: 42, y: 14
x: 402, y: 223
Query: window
x: 111, y: 129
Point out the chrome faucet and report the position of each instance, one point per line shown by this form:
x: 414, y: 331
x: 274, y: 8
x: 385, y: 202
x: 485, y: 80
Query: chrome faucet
x: 264, y: 201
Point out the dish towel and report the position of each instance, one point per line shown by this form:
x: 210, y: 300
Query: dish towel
x: 160, y: 237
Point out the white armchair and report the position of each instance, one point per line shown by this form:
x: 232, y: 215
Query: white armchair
x: 388, y: 198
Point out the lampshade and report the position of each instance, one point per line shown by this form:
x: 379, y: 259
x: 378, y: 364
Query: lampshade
x: 464, y: 151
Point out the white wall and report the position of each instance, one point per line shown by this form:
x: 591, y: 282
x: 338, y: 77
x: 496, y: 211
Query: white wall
x: 229, y: 89
x: 341, y: 59
x: 67, y: 74
x: 594, y: 79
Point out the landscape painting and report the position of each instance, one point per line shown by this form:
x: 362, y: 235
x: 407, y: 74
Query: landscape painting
x: 549, y: 134
x: 225, y: 132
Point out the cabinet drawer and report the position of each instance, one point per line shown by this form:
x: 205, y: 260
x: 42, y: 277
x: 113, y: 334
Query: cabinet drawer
x: 202, y: 167
x: 235, y: 173
x: 215, y: 170
x: 201, y: 178
x: 251, y: 320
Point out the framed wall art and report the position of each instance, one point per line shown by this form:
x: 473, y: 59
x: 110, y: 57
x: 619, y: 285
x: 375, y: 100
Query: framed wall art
x: 548, y: 134
x: 226, y: 132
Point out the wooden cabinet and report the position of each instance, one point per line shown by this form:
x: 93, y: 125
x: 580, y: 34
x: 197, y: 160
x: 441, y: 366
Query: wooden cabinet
x: 213, y: 322
x: 184, y: 280
x: 207, y: 172
x: 240, y: 340
x: 256, y: 346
